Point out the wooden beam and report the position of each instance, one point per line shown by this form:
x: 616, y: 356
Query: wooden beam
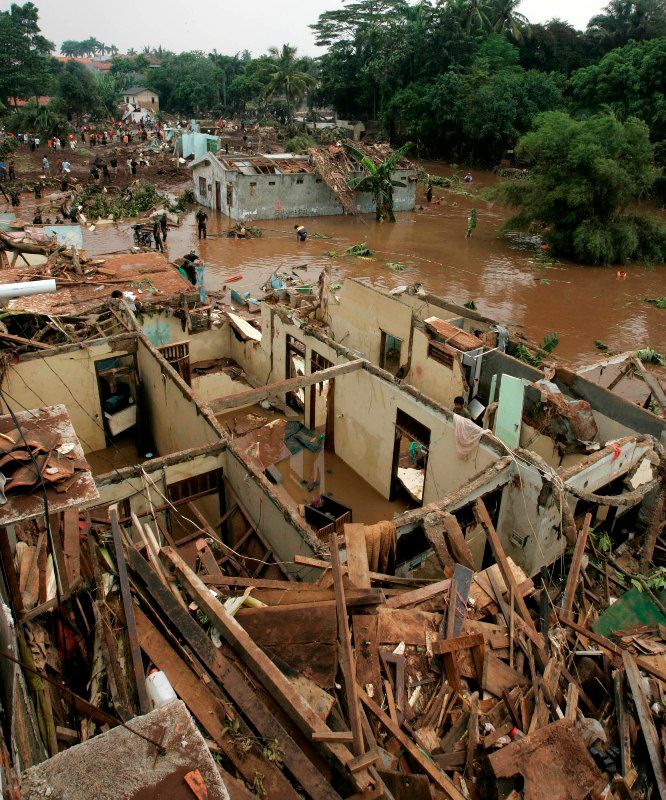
x: 128, y: 606
x: 419, y: 595
x: 202, y: 703
x: 574, y: 569
x: 440, y: 778
x: 262, y: 667
x: 611, y: 647
x: 357, y: 555
x: 646, y: 721
x: 232, y: 680
x: 483, y: 517
x: 252, y: 396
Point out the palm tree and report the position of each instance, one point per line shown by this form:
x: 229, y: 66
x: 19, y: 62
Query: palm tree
x: 378, y: 180
x: 477, y: 14
x: 509, y: 21
x: 286, y: 74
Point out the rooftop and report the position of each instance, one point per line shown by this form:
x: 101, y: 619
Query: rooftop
x: 64, y: 477
x: 148, y: 275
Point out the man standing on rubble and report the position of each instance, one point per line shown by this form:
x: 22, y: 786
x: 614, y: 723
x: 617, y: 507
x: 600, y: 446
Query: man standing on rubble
x: 157, y: 236
x: 202, y: 220
x: 46, y: 167
x: 163, y: 225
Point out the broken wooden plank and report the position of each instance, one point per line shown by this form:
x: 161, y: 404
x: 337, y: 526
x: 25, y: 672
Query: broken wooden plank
x: 647, y: 723
x: 456, y: 541
x: 574, y: 569
x: 644, y: 663
x: 207, y: 709
x: 346, y: 653
x: 440, y: 778
x: 252, y: 396
x: 231, y: 679
x: 128, y: 606
x: 262, y: 667
x: 357, y: 555
x: 365, y: 628
x: 623, y: 729
x: 71, y: 544
x: 420, y: 595
x: 208, y: 559
x: 481, y: 513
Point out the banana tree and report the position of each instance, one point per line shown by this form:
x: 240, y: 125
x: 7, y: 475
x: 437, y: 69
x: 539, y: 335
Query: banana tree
x: 377, y: 179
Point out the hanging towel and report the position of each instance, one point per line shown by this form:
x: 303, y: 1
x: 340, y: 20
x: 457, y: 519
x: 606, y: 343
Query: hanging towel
x: 467, y: 435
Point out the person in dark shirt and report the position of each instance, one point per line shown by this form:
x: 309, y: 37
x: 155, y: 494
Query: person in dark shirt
x: 460, y: 408
x: 157, y: 236
x: 163, y: 226
x: 202, y: 220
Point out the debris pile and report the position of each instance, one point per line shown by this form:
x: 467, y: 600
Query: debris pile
x: 360, y: 684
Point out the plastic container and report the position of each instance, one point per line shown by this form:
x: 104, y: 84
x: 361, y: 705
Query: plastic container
x: 160, y: 691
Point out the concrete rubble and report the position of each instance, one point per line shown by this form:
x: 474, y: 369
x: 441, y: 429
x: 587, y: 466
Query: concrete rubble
x: 353, y: 589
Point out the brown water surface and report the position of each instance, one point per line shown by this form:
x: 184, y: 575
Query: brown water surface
x: 508, y: 281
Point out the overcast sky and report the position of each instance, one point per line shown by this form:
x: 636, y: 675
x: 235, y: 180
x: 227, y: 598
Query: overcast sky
x: 224, y: 25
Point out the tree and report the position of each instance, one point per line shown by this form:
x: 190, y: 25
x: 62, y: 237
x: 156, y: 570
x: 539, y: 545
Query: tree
x: 554, y: 47
x: 25, y: 66
x: 377, y: 180
x: 623, y: 20
x: 187, y: 83
x: 287, y: 74
x: 585, y: 177
x: 508, y: 21
x: 630, y: 81
x: 77, y: 89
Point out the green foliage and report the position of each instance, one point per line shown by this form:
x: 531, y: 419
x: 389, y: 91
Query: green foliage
x: 650, y: 356
x: 45, y: 121
x: 395, y: 266
x: 655, y: 580
x: 358, y: 250
x: 660, y: 302
x: 629, y: 81
x: 470, y: 304
x: 377, y: 179
x: 184, y: 200
x: 584, y: 177
x: 287, y: 75
x: 77, y: 88
x: 298, y: 144
x: 7, y: 147
x: 188, y: 83
x: 24, y: 54
x: 134, y: 201
x: 550, y: 341
x: 471, y: 222
x: 600, y: 345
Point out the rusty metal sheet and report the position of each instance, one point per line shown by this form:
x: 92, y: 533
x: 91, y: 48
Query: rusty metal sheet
x: 49, y: 424
x: 149, y: 275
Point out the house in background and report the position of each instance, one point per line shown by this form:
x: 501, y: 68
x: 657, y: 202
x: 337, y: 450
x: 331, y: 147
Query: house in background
x: 142, y: 98
x: 276, y: 186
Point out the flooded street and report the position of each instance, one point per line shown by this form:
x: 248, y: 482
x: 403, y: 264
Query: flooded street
x: 508, y: 282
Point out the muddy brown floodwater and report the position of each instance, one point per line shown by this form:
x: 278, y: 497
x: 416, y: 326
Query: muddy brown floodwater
x: 507, y: 280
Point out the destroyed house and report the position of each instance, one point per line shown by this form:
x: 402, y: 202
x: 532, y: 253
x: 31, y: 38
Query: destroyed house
x: 274, y: 186
x: 212, y: 474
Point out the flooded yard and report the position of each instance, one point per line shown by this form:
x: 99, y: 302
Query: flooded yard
x: 507, y: 281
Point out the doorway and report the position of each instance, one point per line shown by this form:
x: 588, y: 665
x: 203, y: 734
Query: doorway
x: 218, y: 196
x: 230, y: 197
x: 410, y: 458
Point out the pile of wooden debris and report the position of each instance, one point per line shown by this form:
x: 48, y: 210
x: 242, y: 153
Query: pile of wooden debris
x: 360, y: 685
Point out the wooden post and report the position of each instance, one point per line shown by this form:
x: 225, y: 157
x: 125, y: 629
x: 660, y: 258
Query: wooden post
x: 346, y: 653
x: 574, y: 569
x: 128, y: 606
x: 646, y: 721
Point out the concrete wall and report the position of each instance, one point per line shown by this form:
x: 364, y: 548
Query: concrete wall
x: 365, y: 415
x: 286, y: 535
x: 362, y: 314
x: 164, y: 328
x: 176, y: 421
x: 69, y: 378
x: 432, y: 378
x: 291, y: 195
